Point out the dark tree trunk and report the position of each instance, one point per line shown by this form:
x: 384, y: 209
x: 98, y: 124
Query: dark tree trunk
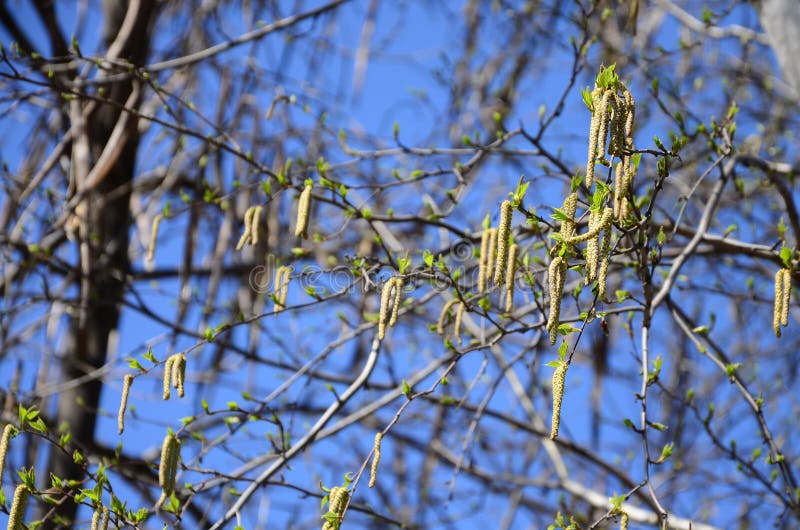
x: 103, y: 275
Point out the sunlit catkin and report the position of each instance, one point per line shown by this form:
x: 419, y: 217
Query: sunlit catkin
x: 303, y: 212
x: 18, y: 507
x: 503, y: 233
x: 179, y: 373
x: 490, y: 252
x: 603, y: 127
x: 623, y: 521
x: 100, y: 518
x: 254, y: 225
x: 167, y: 376
x: 556, y: 273
x: 482, y: 261
x: 602, y: 224
x: 248, y: 222
x: 457, y: 324
x: 151, y: 248
x: 787, y: 294
x: 376, y: 458
x: 569, y: 208
x: 8, y: 430
x: 398, y: 291
x: 386, y: 316
x: 511, y: 272
x: 594, y: 129
x: 602, y: 273
x: 559, y: 376
x: 443, y: 315
x: 127, y: 381
x: 168, y: 467
x: 282, y: 277
x: 777, y: 309
x: 337, y: 501
x: 592, y: 249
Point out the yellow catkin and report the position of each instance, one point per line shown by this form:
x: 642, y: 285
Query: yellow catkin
x: 168, y: 467
x: 96, y: 519
x: 559, y: 376
x: 386, y: 316
x: 398, y: 291
x: 127, y: 381
x: 569, y: 208
x: 105, y: 518
x: 592, y: 249
x: 594, y: 129
x: 179, y: 373
x: 18, y: 507
x: 619, y: 190
x: 151, y: 248
x: 490, y: 252
x: 556, y: 273
x: 443, y: 315
x: 787, y: 294
x: 383, y: 315
x: 602, y: 224
x: 777, y: 310
x: 457, y: 323
x: 623, y: 521
x: 248, y: 221
x: 630, y: 112
x: 602, y: 274
x: 376, y: 458
x: 483, y: 261
x: 603, y: 126
x: 511, y: 272
x: 337, y: 501
x: 303, y: 212
x: 503, y: 233
x: 167, y: 376
x: 282, y: 277
x: 254, y: 225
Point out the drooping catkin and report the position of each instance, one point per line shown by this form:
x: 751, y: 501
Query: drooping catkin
x: 151, y: 248
x: 100, y: 518
x: 490, y: 252
x: 127, y: 381
x: 503, y: 233
x: 482, y: 261
x: 168, y: 467
x: 17, y: 511
x: 337, y: 500
x: 443, y: 315
x: 556, y: 273
x: 569, y: 208
x: 386, y: 316
x: 303, y: 212
x: 511, y: 272
x: 179, y: 373
x: 559, y: 376
x: 602, y: 274
x: 604, y: 125
x: 8, y: 430
x: 254, y: 222
x: 248, y: 222
x: 376, y: 458
x: 787, y: 296
x: 602, y: 224
x: 457, y: 323
x: 623, y: 521
x: 594, y: 129
x: 167, y: 376
x: 777, y: 309
x: 282, y: 277
x: 398, y: 291
x: 592, y: 249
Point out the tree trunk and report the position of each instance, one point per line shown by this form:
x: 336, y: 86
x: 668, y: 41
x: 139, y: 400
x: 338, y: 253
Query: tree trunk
x: 781, y: 21
x: 105, y: 243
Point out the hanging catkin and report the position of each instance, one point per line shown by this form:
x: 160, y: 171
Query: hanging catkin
x: 303, y: 212
x: 503, y: 233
